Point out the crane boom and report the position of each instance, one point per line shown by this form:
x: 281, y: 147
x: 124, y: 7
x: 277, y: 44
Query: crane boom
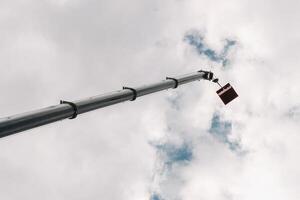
x: 21, y: 122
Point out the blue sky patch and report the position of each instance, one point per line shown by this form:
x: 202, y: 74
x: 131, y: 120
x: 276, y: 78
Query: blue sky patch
x: 196, y: 40
x: 221, y: 130
x: 175, y: 154
x: 155, y: 196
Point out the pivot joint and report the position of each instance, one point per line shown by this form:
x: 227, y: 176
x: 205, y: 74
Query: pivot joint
x: 208, y: 75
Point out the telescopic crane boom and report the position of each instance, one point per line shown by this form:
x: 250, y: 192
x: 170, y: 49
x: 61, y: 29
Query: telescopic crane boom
x: 21, y: 122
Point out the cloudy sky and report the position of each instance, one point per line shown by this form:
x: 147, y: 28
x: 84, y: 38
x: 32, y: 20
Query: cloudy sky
x: 181, y: 144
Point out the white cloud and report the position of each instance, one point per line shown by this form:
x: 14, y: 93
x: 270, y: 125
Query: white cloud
x: 52, y: 50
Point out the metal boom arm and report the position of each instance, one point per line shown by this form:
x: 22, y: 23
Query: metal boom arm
x: 64, y: 110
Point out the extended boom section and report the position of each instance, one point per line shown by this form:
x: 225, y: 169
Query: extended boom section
x: 67, y: 109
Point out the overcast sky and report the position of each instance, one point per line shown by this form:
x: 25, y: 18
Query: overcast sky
x: 181, y: 144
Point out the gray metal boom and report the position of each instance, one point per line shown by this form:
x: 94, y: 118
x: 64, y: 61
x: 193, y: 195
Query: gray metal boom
x: 64, y: 110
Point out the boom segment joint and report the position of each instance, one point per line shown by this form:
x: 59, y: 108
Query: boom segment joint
x: 73, y: 105
x: 175, y: 80
x: 133, y: 91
